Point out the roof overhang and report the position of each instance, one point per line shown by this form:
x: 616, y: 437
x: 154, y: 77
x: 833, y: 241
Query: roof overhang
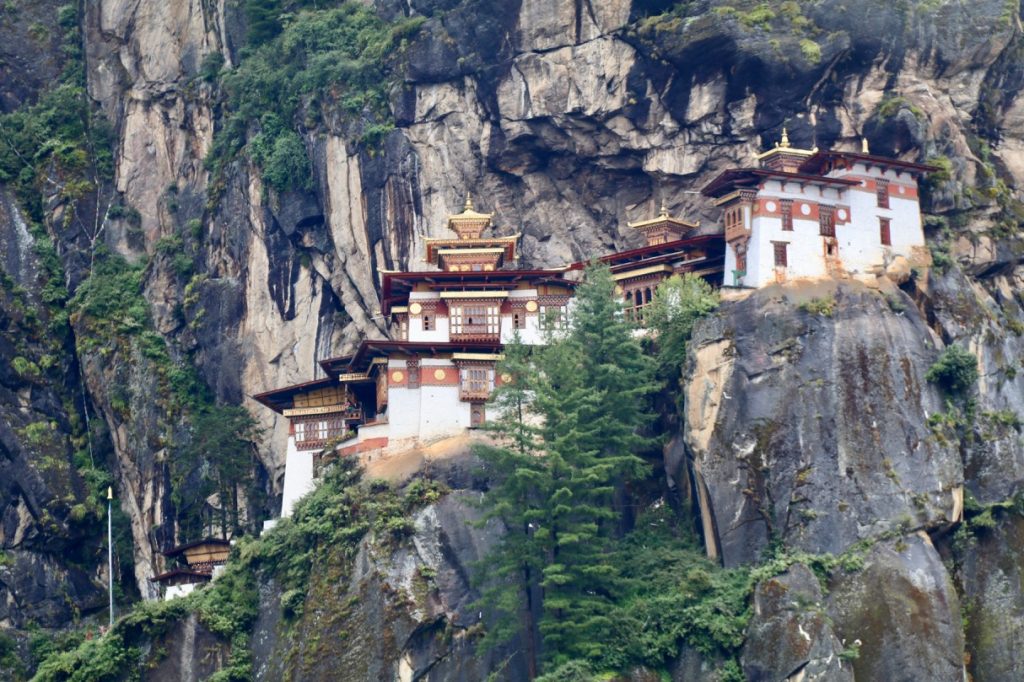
x: 174, y: 551
x: 395, y: 286
x: 281, y: 398
x: 746, y: 178
x: 818, y: 161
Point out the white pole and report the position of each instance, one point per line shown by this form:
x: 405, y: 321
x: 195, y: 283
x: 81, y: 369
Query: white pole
x: 110, y: 551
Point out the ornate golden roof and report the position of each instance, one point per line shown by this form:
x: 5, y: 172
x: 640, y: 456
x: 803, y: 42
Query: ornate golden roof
x: 469, y: 224
x: 783, y: 147
x: 663, y: 218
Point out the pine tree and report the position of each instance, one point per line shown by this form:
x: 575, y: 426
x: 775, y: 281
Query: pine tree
x: 559, y: 486
x: 522, y: 484
x: 592, y: 395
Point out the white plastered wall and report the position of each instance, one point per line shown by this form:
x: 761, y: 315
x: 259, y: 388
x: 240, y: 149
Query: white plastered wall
x: 298, y: 476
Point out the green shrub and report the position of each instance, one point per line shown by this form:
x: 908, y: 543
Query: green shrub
x: 677, y: 305
x: 26, y: 369
x: 819, y: 306
x: 319, y: 58
x: 211, y: 66
x: 956, y: 371
x: 810, y: 50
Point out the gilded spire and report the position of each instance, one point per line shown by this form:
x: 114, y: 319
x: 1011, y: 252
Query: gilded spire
x: 664, y: 209
x: 864, y: 145
x: 469, y: 202
x: 785, y: 138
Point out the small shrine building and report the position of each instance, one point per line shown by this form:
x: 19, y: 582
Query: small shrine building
x: 197, y: 564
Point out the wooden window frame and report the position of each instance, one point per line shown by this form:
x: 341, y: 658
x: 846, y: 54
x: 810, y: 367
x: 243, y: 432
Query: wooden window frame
x: 477, y: 320
x: 882, y: 193
x: 786, y: 206
x: 313, y: 433
x: 885, y: 231
x: 476, y: 382
x: 781, y: 248
x: 827, y: 221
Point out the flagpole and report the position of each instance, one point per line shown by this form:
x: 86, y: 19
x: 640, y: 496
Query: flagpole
x: 110, y: 551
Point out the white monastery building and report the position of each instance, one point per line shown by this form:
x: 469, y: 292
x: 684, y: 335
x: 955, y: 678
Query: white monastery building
x: 799, y: 214
x: 808, y: 213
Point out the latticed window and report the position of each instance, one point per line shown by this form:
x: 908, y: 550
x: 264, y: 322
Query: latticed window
x: 474, y: 320
x: 312, y: 433
x: 552, y: 316
x: 476, y: 382
x: 882, y: 193
x: 827, y: 221
x: 781, y: 257
x: 884, y: 229
x: 787, y: 216
x: 734, y: 219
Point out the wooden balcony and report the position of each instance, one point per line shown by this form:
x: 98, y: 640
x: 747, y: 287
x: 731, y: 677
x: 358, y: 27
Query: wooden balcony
x: 736, y: 232
x: 473, y: 393
x: 475, y: 332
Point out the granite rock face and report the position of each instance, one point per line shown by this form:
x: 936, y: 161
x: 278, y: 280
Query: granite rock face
x: 401, y: 613
x: 807, y: 415
x: 991, y: 574
x: 790, y: 636
x: 904, y: 610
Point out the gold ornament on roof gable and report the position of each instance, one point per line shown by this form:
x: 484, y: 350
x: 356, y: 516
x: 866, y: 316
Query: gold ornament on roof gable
x: 469, y: 224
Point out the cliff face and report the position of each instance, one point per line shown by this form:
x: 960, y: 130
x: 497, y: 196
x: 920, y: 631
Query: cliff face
x: 566, y: 120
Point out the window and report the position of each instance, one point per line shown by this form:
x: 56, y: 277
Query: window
x: 413, y: 368
x: 313, y: 433
x: 884, y: 230
x: 552, y: 316
x: 476, y: 382
x: 428, y: 324
x: 733, y: 219
x: 827, y: 221
x: 476, y: 414
x: 476, y: 319
x: 781, y: 259
x: 518, y: 320
x: 882, y: 193
x: 787, y: 217
x: 741, y: 259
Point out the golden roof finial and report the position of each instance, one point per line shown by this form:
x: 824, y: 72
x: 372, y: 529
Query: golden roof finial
x: 664, y: 209
x: 469, y: 203
x: 785, y: 138
x: 864, y: 145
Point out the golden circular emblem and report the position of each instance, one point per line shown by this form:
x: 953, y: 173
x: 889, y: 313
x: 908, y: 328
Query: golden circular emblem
x: 439, y: 374
x: 415, y: 309
x: 397, y: 376
x: 531, y: 306
x: 619, y: 290
x: 506, y: 378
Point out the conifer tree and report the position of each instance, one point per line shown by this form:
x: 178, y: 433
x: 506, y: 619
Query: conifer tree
x: 557, y: 483
x: 514, y: 569
x: 592, y: 395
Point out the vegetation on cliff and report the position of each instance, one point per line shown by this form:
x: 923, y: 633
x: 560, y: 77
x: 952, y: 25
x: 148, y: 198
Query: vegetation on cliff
x: 570, y: 474
x: 300, y: 70
x: 327, y: 526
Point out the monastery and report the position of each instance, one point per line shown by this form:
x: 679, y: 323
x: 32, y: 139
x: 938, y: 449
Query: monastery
x: 797, y: 214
